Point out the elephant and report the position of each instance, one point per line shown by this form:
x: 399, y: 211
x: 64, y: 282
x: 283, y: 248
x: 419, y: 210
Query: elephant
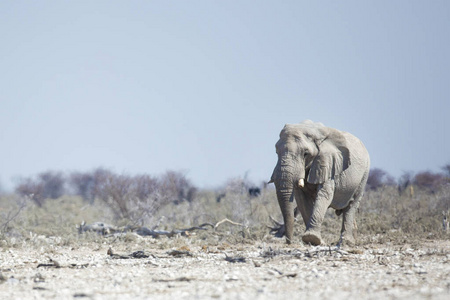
x: 319, y: 167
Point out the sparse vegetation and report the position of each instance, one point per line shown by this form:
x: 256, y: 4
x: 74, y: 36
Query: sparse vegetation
x: 171, y: 201
x: 43, y: 242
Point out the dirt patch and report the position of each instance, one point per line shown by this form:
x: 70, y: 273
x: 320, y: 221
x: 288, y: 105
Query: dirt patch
x: 147, y: 268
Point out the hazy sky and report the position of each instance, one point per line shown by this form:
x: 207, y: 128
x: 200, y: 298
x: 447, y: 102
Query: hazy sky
x: 206, y: 86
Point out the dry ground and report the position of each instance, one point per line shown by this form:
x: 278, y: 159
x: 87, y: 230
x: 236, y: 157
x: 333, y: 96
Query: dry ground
x: 192, y: 268
x: 402, y: 252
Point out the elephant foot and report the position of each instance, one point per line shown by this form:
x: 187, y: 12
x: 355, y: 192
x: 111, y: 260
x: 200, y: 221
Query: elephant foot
x: 312, y: 238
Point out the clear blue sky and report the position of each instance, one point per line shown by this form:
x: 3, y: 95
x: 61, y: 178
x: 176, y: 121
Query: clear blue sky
x: 206, y: 86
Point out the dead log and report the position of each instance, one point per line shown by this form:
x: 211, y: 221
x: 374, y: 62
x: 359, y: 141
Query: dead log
x: 144, y: 231
x: 106, y: 229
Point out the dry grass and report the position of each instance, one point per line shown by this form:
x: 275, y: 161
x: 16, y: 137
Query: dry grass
x: 384, y: 217
x: 402, y: 251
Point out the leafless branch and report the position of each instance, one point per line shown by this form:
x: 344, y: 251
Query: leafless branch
x: 227, y: 221
x: 12, y: 215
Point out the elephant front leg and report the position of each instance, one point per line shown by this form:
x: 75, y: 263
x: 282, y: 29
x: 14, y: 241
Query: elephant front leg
x: 323, y: 200
x: 304, y: 205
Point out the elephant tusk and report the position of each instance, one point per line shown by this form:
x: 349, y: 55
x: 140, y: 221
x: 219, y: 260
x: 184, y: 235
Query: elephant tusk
x: 301, y: 182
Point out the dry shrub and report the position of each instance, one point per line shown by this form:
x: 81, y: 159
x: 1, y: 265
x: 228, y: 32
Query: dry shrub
x: 430, y: 181
x: 177, y: 187
x: 88, y: 185
x: 417, y: 213
x: 172, y: 202
x: 131, y: 198
x: 56, y: 217
x: 46, y: 185
x: 379, y: 178
x: 137, y: 199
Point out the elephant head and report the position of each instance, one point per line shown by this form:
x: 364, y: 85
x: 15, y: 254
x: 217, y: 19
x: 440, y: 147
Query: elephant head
x: 309, y: 154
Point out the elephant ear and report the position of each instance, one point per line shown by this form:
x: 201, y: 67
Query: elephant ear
x: 332, y: 160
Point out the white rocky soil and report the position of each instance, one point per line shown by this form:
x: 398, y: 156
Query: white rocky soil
x: 247, y: 271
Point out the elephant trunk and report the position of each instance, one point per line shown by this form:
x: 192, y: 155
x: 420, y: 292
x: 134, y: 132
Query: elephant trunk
x: 288, y: 175
x: 285, y: 199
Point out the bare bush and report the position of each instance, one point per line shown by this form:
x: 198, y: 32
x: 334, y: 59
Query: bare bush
x: 82, y: 184
x: 172, y: 199
x: 31, y: 188
x: 379, y: 178
x: 145, y: 186
x: 87, y: 184
x: 236, y: 185
x: 138, y: 198
x: 177, y: 187
x: 238, y: 205
x: 116, y: 193
x: 420, y: 213
x: 132, y: 198
x: 46, y: 185
x: 429, y: 180
x: 53, y: 184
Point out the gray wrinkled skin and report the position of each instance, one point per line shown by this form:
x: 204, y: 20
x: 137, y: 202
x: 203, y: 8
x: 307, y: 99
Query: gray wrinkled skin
x: 319, y: 167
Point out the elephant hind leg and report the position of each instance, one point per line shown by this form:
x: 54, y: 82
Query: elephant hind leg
x: 349, y: 227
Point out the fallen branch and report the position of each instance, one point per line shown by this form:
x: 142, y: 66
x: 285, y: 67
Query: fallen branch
x: 227, y: 221
x: 325, y: 250
x: 136, y: 254
x: 54, y: 264
x: 179, y: 253
x: 235, y: 259
x: 144, y: 231
x: 107, y: 229
x: 174, y: 280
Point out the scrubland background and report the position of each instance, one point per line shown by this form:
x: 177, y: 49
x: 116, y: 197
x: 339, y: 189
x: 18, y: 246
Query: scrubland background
x: 54, y: 204
x: 402, y: 250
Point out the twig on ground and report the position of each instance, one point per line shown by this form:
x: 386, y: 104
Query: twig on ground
x: 144, y: 231
x: 226, y: 220
x: 53, y: 264
x: 178, y: 253
x: 136, y: 254
x: 325, y: 250
x: 107, y: 229
x: 235, y: 259
x: 175, y: 279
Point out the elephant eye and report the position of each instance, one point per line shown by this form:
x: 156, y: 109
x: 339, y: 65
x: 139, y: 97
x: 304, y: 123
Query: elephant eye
x: 305, y: 154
